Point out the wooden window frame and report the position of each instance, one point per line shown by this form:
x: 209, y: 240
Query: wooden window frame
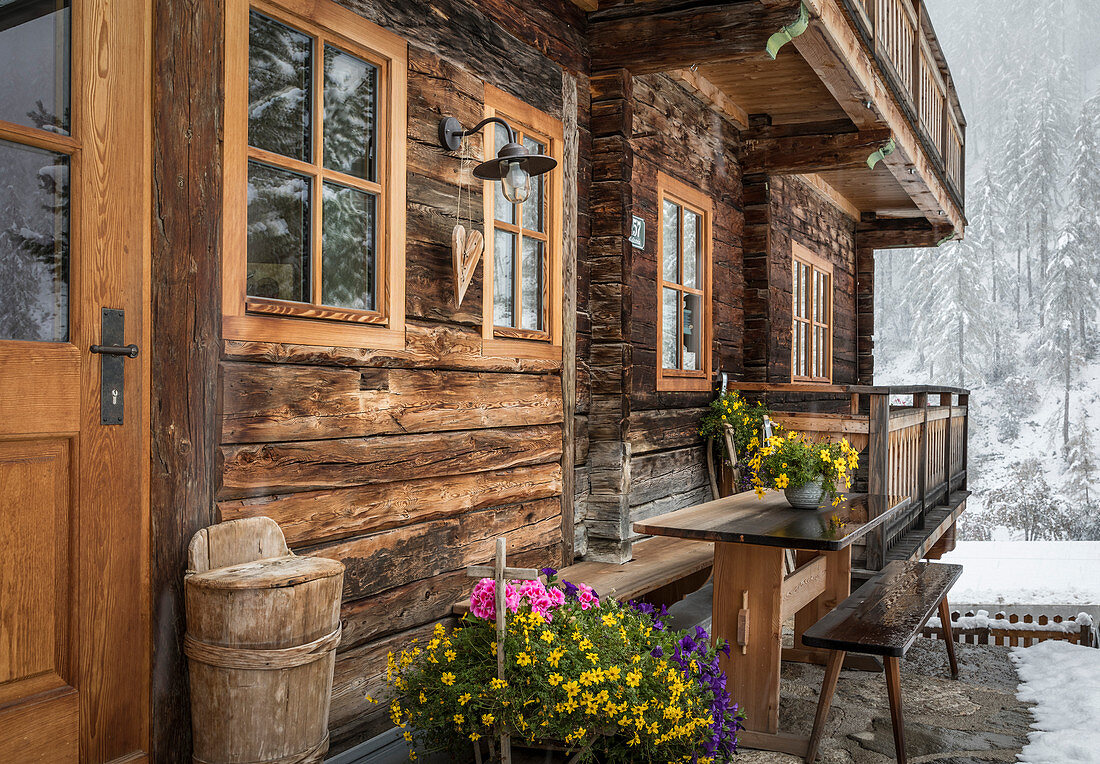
x: 817, y: 265
x: 510, y: 341
x: 257, y: 319
x: 690, y: 198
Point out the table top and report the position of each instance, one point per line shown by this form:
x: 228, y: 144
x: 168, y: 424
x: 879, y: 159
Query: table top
x: 771, y: 521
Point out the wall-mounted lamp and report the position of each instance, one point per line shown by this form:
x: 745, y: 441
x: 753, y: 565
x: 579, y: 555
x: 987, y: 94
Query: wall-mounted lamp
x: 513, y: 166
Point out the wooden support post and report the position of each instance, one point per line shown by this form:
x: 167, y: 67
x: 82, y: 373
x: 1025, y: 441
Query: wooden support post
x: 854, y: 405
x: 920, y: 400
x: 945, y: 400
x: 838, y: 585
x: 753, y: 676
x: 945, y: 626
x: 878, y: 461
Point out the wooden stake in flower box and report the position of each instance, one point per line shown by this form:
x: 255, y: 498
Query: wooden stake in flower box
x: 501, y: 573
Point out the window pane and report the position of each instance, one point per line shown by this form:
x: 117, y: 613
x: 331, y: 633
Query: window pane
x: 796, y: 356
x: 533, y: 282
x: 278, y: 233
x: 670, y: 329
x: 534, y: 209
x: 670, y: 227
x: 34, y: 59
x: 693, y: 332
x: 280, y: 61
x: 692, y: 249
x: 351, y: 88
x: 504, y: 271
x: 502, y: 208
x: 348, y: 248
x: 826, y: 297
x: 34, y: 244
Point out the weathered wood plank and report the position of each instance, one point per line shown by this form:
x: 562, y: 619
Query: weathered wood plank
x: 663, y: 429
x: 434, y: 346
x: 254, y: 470
x: 810, y: 153
x: 265, y: 402
x: 312, y: 517
x: 383, y: 560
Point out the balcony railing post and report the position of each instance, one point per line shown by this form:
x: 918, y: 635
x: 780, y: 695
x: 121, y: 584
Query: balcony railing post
x: 945, y: 400
x: 920, y: 400
x: 964, y: 400
x: 914, y: 74
x: 878, y: 461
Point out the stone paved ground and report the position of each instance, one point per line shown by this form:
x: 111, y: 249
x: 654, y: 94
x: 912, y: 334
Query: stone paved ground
x: 973, y: 720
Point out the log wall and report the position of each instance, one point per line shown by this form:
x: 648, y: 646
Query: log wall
x: 407, y: 464
x: 780, y: 209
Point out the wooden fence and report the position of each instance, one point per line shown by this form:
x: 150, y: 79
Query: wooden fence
x: 1014, y: 631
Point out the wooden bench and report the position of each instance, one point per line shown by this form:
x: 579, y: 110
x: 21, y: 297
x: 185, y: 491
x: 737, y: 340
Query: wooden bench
x: 883, y: 617
x: 662, y: 569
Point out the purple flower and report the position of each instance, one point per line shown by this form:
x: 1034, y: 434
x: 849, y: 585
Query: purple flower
x: 657, y: 652
x: 548, y: 572
x: 571, y: 590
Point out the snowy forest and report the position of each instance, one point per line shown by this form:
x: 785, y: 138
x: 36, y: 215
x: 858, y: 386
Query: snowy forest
x: 1012, y: 311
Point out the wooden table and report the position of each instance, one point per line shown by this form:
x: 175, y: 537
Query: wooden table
x: 752, y: 597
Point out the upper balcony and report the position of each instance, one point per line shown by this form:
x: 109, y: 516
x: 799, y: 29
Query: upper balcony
x: 848, y: 78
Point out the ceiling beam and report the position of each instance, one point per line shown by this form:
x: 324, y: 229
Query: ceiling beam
x: 765, y: 152
x: 708, y: 92
x: 662, y: 35
x: 834, y: 50
x: 825, y: 190
x: 900, y: 233
x: 587, y: 5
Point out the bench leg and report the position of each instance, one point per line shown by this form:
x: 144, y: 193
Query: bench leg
x: 945, y: 623
x: 828, y: 686
x: 893, y: 692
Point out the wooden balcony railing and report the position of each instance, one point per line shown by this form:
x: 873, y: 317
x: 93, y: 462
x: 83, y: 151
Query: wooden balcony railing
x: 906, y: 49
x: 913, y: 444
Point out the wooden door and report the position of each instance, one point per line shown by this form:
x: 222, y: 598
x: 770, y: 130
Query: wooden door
x: 74, y: 230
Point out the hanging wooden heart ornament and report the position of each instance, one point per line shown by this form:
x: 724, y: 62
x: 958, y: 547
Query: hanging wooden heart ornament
x: 466, y: 249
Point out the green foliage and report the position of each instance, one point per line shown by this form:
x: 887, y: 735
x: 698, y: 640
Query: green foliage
x: 745, y: 419
x: 794, y: 460
x: 604, y: 681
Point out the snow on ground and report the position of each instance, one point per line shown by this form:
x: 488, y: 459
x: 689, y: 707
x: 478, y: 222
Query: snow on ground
x: 1027, y: 572
x: 1063, y: 681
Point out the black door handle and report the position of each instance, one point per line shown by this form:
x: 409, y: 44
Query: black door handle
x: 129, y: 351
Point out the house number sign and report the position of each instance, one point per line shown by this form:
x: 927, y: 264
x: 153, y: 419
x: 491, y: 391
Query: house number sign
x: 637, y: 232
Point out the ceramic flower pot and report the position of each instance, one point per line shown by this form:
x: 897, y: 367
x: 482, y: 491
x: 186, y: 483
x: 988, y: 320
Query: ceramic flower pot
x: 808, y: 496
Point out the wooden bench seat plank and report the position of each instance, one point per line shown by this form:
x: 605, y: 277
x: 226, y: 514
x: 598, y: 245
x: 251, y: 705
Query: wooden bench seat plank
x: 885, y: 615
x: 656, y: 562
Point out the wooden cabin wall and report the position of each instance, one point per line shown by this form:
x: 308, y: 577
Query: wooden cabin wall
x: 646, y: 456
x: 781, y: 209
x: 406, y: 465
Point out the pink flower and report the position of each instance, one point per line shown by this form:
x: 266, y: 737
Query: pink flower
x: 557, y: 597
x: 511, y: 597
x: 587, y: 597
x: 483, y: 599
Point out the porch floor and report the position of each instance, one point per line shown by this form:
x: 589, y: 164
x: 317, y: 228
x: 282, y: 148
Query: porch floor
x: 976, y: 719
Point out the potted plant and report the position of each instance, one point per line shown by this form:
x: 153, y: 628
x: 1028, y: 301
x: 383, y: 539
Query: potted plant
x: 735, y: 424
x: 808, y: 472
x: 600, y: 680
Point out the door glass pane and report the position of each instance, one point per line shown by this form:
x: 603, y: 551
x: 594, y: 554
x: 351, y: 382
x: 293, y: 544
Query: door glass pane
x: 347, y: 248
x: 533, y: 282
x: 351, y: 87
x: 670, y: 328
x: 670, y: 228
x: 503, y: 209
x: 535, y: 206
x: 34, y: 64
x: 693, y: 332
x: 280, y: 62
x: 34, y: 244
x: 278, y: 233
x: 692, y: 226
x: 504, y: 269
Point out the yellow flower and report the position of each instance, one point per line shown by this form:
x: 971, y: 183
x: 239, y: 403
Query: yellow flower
x: 423, y: 698
x: 487, y: 719
x: 408, y: 736
x: 547, y: 637
x: 448, y: 678
x: 370, y: 699
x: 459, y: 718
x: 555, y: 679
x: 474, y: 736
x: 412, y: 755
x: 523, y: 659
x: 782, y: 481
x: 451, y: 655
x: 498, y: 684
x: 633, y: 678
x: 463, y: 699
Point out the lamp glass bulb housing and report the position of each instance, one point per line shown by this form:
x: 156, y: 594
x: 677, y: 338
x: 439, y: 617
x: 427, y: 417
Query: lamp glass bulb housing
x: 515, y: 182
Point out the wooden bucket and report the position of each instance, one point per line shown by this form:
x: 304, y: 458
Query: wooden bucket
x: 262, y: 630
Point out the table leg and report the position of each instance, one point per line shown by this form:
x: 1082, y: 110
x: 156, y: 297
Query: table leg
x: 838, y: 585
x: 752, y: 676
